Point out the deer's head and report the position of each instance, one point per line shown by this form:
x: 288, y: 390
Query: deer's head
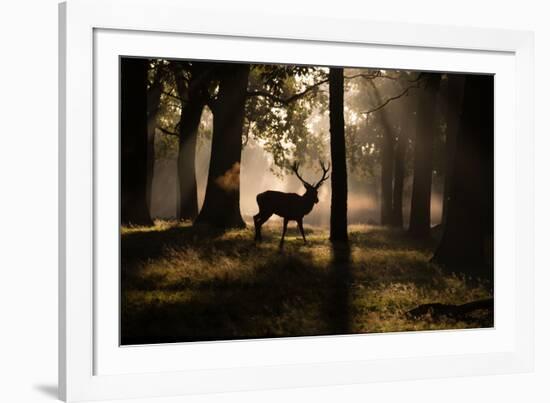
x: 311, y: 190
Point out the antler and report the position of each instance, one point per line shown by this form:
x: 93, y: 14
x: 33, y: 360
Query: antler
x: 325, y: 176
x: 295, y: 168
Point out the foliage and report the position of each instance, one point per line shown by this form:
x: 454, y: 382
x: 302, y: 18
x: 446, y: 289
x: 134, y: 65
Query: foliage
x: 287, y: 114
x: 282, y: 100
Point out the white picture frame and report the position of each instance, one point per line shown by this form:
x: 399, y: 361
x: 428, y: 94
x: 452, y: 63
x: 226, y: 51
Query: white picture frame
x: 92, y: 366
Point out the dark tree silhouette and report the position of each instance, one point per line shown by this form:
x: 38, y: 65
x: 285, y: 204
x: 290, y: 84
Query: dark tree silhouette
x: 193, y: 96
x: 387, y: 154
x: 387, y: 158
x: 452, y: 104
x: 154, y: 93
x: 398, y: 182
x: 399, y: 179
x: 406, y: 130
x: 423, y: 157
x: 221, y: 206
x: 466, y: 244
x: 339, y: 177
x: 133, y: 132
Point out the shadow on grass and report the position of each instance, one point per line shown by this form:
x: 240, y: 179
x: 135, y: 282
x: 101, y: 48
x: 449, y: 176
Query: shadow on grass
x: 142, y: 245
x: 391, y: 238
x: 341, y: 278
x: 183, y: 283
x: 285, y: 298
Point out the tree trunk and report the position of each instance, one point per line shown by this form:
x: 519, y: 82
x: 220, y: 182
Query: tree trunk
x: 453, y: 103
x: 339, y: 176
x: 188, y: 207
x: 399, y: 179
x: 193, y: 102
x: 133, y: 132
x: 423, y: 158
x: 387, y: 157
x: 386, y: 175
x: 153, y: 104
x: 221, y: 206
x: 466, y: 244
x: 406, y: 128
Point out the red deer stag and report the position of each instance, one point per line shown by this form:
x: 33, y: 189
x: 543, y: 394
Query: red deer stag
x: 289, y: 206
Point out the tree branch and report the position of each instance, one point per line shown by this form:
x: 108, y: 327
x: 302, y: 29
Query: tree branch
x: 456, y: 311
x: 247, y: 133
x: 168, y: 132
x: 366, y: 76
x: 390, y: 99
x: 170, y: 95
x: 378, y: 74
x: 292, y: 98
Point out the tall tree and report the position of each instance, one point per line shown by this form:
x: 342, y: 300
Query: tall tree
x: 221, y: 207
x: 192, y: 91
x: 386, y: 177
x: 452, y: 105
x: 466, y: 243
x: 396, y: 219
x: 394, y: 121
x: 423, y: 157
x: 406, y: 126
x: 339, y: 177
x: 133, y: 132
x: 154, y: 93
x: 387, y: 158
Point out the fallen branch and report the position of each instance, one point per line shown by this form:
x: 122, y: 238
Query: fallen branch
x: 453, y: 311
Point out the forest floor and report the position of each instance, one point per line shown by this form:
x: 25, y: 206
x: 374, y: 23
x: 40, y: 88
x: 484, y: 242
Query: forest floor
x: 181, y: 283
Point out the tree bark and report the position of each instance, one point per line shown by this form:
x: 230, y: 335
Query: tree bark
x: 453, y: 103
x: 466, y: 244
x: 221, y: 208
x: 193, y: 101
x: 133, y: 132
x: 339, y: 177
x: 423, y: 158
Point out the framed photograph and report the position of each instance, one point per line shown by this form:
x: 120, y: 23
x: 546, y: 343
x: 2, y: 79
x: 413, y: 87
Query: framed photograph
x: 251, y: 202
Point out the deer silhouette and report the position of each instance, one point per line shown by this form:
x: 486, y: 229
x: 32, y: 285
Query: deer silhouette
x: 289, y: 206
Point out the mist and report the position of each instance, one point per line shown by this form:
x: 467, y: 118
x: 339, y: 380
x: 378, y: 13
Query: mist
x: 257, y: 173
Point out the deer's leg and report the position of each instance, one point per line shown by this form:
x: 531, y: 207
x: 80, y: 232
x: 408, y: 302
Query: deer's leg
x: 301, y: 227
x: 259, y: 220
x: 285, y: 223
x: 257, y: 228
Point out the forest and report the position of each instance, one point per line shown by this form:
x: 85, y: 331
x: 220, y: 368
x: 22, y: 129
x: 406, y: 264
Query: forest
x: 261, y: 201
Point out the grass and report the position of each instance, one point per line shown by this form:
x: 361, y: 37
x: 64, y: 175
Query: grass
x: 181, y: 283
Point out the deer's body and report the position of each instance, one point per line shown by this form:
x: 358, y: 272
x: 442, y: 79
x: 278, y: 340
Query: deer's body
x: 289, y: 206
x: 286, y: 205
